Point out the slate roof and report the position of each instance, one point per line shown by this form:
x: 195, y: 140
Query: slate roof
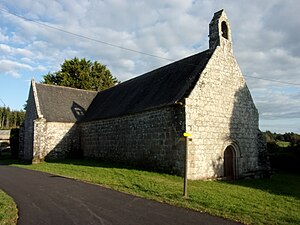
x: 63, y: 104
x: 161, y: 87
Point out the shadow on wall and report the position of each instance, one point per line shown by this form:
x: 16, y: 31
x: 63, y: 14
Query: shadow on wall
x: 244, y: 152
x: 69, y: 145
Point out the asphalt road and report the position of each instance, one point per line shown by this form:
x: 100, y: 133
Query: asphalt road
x: 49, y: 199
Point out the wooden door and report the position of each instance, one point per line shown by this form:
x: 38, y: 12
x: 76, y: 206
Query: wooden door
x: 229, y: 163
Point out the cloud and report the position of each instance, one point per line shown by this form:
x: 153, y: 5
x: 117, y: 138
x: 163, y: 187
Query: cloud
x: 13, y: 68
x: 6, y: 49
x: 285, y: 24
x: 278, y: 102
x: 281, y: 126
x: 3, y: 36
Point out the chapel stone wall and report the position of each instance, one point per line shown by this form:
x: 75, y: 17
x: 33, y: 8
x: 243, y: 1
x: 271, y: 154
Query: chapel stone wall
x: 27, y: 131
x: 55, y: 140
x: 149, y: 139
x: 220, y: 112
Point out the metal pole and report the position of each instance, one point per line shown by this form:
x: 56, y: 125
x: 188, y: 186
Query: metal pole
x: 185, y: 194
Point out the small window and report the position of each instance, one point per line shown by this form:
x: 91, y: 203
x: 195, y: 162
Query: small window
x: 224, y: 30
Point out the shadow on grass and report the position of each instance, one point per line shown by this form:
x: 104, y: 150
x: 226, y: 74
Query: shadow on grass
x: 90, y: 162
x: 9, y: 160
x: 6, y: 158
x: 93, y: 163
x: 281, y: 183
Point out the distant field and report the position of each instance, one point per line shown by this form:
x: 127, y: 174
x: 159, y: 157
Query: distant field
x: 265, y: 201
x: 283, y: 144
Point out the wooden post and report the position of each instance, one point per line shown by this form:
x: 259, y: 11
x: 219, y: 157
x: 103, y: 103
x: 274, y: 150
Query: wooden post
x: 185, y: 183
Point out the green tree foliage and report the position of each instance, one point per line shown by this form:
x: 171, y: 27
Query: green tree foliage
x: 292, y: 138
x: 269, y: 136
x: 82, y: 74
x: 10, y: 119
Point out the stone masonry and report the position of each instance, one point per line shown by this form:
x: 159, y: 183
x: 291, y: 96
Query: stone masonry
x: 150, y: 139
x: 54, y: 140
x: 220, y: 112
x: 28, y: 130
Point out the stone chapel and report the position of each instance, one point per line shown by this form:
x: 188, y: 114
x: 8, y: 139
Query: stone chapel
x: 141, y: 121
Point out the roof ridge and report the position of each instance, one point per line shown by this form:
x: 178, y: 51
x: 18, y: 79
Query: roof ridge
x: 65, y: 87
x: 180, y: 61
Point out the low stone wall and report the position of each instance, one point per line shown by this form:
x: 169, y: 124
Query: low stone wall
x: 149, y: 139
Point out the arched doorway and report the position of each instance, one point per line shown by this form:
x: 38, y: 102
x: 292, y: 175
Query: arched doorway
x: 229, y: 163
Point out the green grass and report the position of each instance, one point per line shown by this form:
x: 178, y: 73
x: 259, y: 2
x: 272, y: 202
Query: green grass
x: 8, y: 210
x: 264, y: 201
x: 283, y: 144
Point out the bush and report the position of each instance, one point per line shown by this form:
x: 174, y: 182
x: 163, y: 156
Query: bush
x: 286, y: 162
x: 285, y: 158
x: 272, y: 147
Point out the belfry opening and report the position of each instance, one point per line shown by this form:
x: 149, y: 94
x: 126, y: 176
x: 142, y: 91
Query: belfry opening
x: 224, y: 29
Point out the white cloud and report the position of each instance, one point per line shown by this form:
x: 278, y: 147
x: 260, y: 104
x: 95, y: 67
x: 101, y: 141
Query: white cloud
x: 6, y: 49
x: 12, y: 68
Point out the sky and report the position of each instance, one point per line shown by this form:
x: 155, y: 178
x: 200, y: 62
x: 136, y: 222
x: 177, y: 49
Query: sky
x: 265, y: 34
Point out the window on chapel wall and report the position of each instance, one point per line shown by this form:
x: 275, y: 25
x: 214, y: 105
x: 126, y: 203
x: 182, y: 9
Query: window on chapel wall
x: 224, y: 30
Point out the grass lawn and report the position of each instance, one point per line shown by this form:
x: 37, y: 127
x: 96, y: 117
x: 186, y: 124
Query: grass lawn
x: 8, y: 210
x: 264, y: 201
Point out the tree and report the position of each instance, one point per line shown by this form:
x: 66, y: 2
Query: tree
x: 82, y: 74
x: 10, y: 118
x: 269, y: 136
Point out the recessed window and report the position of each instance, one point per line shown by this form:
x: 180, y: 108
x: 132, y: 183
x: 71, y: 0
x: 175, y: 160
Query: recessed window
x: 224, y: 30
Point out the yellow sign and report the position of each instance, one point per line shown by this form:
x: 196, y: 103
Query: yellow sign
x: 187, y: 134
